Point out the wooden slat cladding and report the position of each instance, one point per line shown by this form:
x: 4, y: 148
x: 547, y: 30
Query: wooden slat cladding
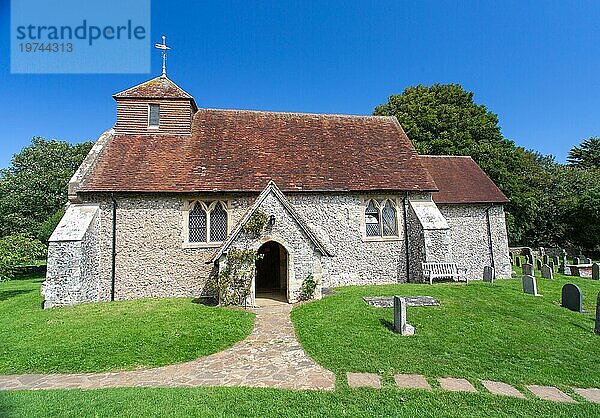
x: 175, y: 117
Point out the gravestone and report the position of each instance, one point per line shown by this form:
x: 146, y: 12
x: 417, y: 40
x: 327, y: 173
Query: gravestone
x: 529, y: 258
x: 575, y: 260
x: 528, y: 269
x: 598, y: 315
x: 530, y: 285
x: 547, y: 272
x: 545, y: 259
x: 571, y: 297
x: 400, y: 325
x: 587, y: 260
x: 538, y: 264
x: 518, y: 261
x: 595, y: 271
x: 556, y: 260
x: 512, y: 257
x: 488, y: 274
x: 551, y: 265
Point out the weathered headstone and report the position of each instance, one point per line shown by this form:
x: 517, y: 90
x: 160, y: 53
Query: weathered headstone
x: 571, y: 297
x: 488, y: 274
x: 562, y: 267
x: 530, y: 285
x: 551, y: 265
x: 538, y: 264
x: 587, y: 260
x: 400, y: 325
x: 547, y: 272
x: 556, y: 260
x: 598, y: 315
x: 528, y: 269
x: 545, y: 258
x: 529, y: 258
x: 595, y: 271
x: 575, y: 260
x: 518, y: 261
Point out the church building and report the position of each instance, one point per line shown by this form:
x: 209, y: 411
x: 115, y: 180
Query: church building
x: 165, y: 194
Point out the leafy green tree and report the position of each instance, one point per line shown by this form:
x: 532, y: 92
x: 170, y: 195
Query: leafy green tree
x: 33, y: 190
x: 18, y: 250
x: 586, y: 155
x: 444, y: 119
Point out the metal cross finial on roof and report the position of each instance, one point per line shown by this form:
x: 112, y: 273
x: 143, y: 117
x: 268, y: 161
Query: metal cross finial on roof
x: 163, y: 47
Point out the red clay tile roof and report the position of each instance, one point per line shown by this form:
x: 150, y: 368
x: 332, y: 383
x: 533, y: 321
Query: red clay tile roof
x: 237, y: 150
x: 460, y: 180
x: 157, y: 88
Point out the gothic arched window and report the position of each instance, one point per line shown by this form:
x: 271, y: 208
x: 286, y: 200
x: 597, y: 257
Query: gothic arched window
x: 207, y: 222
x: 381, y: 218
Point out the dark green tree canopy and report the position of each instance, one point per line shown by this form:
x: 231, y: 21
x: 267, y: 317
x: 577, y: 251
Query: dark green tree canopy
x: 586, y: 155
x: 33, y: 190
x: 444, y: 119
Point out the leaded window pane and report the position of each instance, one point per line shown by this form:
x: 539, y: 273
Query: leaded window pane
x: 197, y: 224
x: 388, y: 216
x: 218, y: 223
x: 372, y: 220
x: 153, y: 119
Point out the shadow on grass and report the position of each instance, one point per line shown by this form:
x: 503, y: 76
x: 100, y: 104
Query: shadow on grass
x: 388, y: 324
x: 7, y: 294
x: 206, y: 300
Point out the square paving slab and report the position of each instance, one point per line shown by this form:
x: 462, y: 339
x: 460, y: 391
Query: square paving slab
x: 456, y: 385
x: 550, y: 393
x: 363, y: 380
x: 501, y: 388
x: 591, y: 395
x: 411, y: 381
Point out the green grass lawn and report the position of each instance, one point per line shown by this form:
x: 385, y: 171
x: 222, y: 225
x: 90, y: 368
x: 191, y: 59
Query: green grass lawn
x: 245, y: 402
x: 109, y: 336
x: 478, y: 332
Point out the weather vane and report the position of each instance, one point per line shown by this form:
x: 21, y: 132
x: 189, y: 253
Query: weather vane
x: 163, y: 47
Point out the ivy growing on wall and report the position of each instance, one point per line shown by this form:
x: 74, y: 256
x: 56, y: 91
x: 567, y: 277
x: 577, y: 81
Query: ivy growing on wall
x: 307, y: 290
x: 232, y: 284
x: 254, y: 226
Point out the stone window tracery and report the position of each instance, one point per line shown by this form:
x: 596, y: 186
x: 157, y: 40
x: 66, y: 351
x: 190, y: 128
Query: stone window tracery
x: 381, y: 218
x: 207, y: 222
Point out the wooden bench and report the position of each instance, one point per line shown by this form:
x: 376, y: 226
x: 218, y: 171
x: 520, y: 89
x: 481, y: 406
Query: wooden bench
x: 443, y: 271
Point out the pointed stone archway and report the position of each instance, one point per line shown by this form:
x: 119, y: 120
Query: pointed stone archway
x: 272, y: 272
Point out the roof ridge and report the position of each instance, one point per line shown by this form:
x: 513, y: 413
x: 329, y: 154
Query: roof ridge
x: 282, y: 113
x: 445, y: 156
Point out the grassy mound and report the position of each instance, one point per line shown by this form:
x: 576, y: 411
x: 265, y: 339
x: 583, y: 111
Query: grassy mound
x: 479, y: 332
x: 109, y: 336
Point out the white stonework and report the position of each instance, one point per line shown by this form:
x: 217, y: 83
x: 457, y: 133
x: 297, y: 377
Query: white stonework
x: 153, y: 259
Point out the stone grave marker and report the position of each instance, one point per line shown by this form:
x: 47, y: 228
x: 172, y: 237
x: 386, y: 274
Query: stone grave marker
x: 529, y: 258
x: 556, y: 260
x: 551, y: 265
x: 538, y: 264
x: 488, y: 274
x: 518, y: 261
x: 598, y: 315
x: 530, y: 285
x: 528, y: 269
x: 547, y: 272
x: 545, y: 258
x: 575, y: 260
x: 571, y: 297
x: 400, y: 325
x: 595, y: 271
x: 587, y: 260
x: 512, y: 257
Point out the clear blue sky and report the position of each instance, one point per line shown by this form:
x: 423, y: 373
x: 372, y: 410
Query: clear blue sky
x: 535, y: 64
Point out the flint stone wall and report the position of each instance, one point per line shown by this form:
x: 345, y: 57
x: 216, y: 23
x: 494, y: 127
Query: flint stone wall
x: 469, y: 238
x: 73, y: 269
x: 153, y: 258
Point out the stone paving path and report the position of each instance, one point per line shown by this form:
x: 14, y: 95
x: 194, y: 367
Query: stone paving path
x: 452, y: 384
x: 270, y: 357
